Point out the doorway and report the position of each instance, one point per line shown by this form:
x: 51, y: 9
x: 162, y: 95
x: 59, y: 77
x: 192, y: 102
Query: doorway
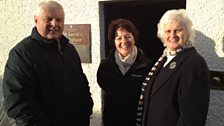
x: 145, y: 14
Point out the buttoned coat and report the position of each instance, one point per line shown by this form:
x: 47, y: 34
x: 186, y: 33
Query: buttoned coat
x: 178, y: 94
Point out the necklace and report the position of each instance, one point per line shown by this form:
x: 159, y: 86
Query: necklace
x: 168, y: 52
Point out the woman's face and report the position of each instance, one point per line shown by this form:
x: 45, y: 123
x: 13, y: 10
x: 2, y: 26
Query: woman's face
x: 124, y: 42
x: 175, y: 35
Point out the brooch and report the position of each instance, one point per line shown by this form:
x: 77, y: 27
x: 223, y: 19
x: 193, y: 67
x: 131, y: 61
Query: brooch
x: 172, y: 65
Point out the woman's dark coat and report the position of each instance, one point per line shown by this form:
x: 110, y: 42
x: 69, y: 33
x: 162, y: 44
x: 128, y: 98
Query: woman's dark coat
x: 44, y: 85
x: 121, y: 92
x: 178, y: 95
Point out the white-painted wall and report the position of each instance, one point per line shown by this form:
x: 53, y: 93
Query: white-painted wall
x: 208, y: 19
x: 16, y: 22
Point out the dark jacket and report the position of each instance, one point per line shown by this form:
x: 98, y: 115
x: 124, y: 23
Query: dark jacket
x: 178, y: 94
x: 46, y: 86
x: 121, y: 92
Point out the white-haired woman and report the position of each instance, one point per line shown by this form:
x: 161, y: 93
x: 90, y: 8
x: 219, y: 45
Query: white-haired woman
x: 176, y: 90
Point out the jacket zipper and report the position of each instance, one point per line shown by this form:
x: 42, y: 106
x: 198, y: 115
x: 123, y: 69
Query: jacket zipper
x: 59, y: 47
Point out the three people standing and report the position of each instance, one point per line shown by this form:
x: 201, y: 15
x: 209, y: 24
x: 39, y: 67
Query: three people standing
x: 44, y: 83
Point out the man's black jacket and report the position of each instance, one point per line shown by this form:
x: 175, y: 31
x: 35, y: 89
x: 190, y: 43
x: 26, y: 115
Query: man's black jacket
x: 45, y: 85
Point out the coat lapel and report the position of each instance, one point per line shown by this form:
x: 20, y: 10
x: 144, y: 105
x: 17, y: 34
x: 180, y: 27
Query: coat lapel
x: 171, y: 67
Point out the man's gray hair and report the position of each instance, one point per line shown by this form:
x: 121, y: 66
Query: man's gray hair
x: 49, y: 3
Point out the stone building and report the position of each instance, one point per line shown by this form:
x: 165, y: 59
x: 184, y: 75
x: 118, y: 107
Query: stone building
x: 16, y: 22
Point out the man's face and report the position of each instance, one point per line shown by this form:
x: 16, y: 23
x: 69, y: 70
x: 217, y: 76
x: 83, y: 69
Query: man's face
x: 50, y: 22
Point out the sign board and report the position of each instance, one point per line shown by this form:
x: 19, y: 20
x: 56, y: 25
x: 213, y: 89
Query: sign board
x: 79, y: 36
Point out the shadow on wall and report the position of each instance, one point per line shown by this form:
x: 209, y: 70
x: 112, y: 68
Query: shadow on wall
x: 207, y: 48
x: 215, y: 63
x: 216, y: 106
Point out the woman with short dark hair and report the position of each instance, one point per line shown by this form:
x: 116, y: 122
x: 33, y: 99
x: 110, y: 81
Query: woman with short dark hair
x: 121, y: 74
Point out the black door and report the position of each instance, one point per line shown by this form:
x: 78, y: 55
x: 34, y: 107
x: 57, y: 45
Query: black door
x: 145, y: 15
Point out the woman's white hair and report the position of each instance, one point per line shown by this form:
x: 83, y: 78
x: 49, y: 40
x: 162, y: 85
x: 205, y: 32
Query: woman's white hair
x: 179, y: 15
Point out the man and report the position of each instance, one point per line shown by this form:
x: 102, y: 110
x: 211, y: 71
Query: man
x: 44, y: 84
